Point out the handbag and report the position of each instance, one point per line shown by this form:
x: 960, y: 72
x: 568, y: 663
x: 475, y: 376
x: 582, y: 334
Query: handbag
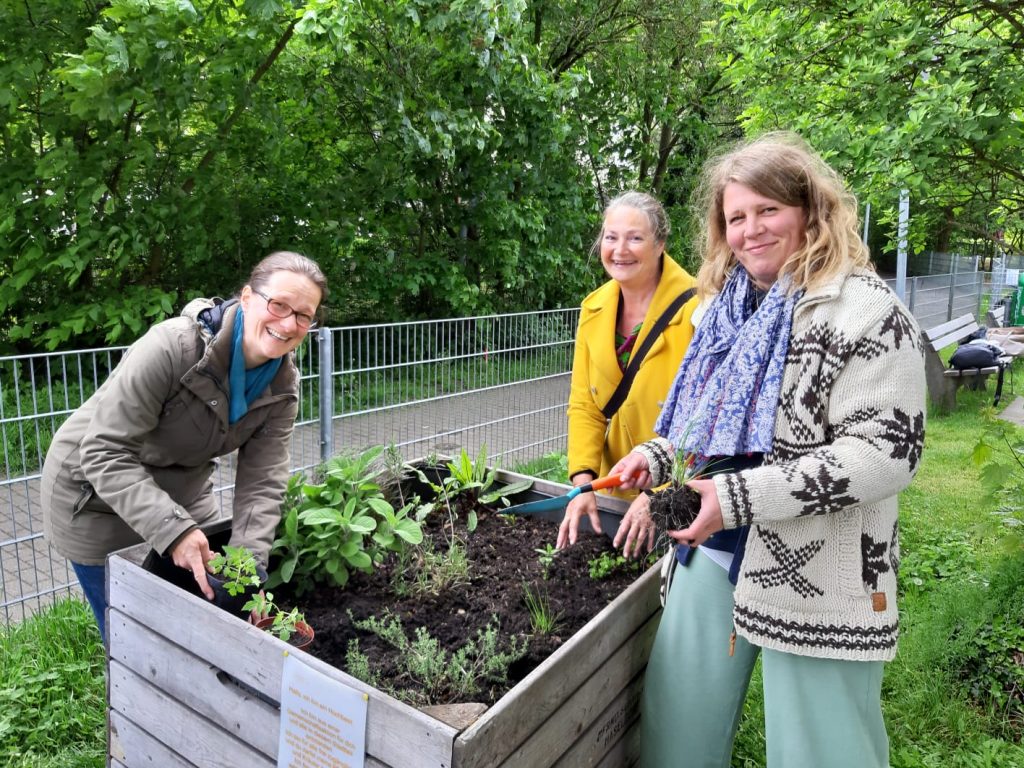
x: 619, y: 395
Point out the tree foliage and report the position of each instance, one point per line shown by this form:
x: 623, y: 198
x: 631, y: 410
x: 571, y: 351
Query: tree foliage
x: 451, y: 157
x: 919, y: 95
x: 436, y: 157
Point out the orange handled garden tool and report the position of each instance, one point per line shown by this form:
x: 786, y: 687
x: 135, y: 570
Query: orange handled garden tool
x: 561, y: 502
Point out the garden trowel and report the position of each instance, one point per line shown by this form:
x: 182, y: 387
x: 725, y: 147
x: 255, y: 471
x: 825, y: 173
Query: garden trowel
x: 561, y: 502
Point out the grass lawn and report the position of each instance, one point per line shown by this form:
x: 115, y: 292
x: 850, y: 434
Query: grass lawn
x: 950, y: 697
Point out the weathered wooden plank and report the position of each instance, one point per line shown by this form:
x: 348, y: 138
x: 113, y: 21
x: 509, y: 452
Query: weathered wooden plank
x: 133, y: 747
x: 394, y: 729
x: 517, y: 715
x: 176, y: 726
x: 198, y: 685
x: 625, y: 753
x: 587, y: 704
x: 955, y: 373
x: 956, y: 325
x: 952, y: 338
x: 225, y: 654
x: 606, y: 734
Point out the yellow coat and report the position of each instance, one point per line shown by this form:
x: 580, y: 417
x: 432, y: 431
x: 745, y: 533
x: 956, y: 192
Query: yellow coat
x: 595, y: 444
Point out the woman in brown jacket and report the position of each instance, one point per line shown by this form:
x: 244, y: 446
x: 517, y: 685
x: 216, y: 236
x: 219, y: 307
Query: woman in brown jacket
x: 135, y: 461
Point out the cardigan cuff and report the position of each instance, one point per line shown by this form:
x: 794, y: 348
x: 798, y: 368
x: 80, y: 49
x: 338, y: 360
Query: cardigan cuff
x: 660, y: 456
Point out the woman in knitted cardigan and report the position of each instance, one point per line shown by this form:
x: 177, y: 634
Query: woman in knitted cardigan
x: 803, y: 393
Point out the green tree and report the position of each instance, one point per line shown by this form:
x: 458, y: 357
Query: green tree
x: 114, y: 117
x: 910, y: 94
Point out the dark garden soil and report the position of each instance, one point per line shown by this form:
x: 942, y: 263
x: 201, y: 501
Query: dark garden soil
x: 502, y: 556
x: 674, y: 508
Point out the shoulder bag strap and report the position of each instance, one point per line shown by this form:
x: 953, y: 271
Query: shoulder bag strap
x: 619, y: 395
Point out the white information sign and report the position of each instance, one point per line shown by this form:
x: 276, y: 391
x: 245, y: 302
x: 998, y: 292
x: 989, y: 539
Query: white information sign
x: 1011, y: 276
x: 323, y: 722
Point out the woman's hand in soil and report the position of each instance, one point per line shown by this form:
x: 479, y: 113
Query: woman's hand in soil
x: 636, y: 531
x: 192, y: 552
x: 584, y: 504
x: 708, y: 520
x: 634, y: 470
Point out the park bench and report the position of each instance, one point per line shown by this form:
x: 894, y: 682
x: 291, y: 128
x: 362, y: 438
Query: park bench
x: 943, y: 381
x: 996, y: 316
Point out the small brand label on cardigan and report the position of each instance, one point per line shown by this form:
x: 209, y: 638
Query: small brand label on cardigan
x: 878, y: 601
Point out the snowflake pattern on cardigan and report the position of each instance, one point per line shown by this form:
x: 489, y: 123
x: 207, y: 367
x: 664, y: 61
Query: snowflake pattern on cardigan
x: 818, y: 576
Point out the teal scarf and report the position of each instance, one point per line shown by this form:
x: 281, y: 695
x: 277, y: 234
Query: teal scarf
x: 246, y: 385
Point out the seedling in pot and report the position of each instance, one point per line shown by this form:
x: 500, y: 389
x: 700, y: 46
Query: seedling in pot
x: 237, y: 570
x: 283, y: 624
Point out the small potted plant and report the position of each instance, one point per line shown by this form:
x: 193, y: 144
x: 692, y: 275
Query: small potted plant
x: 289, y: 626
x: 234, y: 575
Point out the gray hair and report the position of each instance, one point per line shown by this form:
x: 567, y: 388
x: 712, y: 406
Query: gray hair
x: 648, y: 205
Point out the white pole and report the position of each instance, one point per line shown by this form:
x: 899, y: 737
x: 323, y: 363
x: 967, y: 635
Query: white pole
x: 867, y: 220
x: 901, y: 250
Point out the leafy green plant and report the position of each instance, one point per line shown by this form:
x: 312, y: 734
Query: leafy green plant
x: 52, y: 689
x: 607, y: 563
x: 546, y: 556
x: 237, y: 569
x: 442, y: 677
x: 284, y: 623
x: 342, y: 524
x: 999, y: 453
x: 468, y: 487
x: 543, y: 619
x: 440, y: 571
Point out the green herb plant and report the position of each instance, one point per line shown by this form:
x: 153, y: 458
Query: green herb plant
x: 340, y: 525
x: 284, y: 624
x: 425, y: 571
x: 442, y: 677
x: 546, y: 556
x: 236, y: 568
x: 543, y: 620
x: 607, y: 563
x: 468, y: 488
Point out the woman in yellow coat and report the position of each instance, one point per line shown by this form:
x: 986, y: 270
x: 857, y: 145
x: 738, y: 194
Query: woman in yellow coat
x: 614, y: 321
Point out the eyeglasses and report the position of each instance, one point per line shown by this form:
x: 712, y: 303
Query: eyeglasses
x: 281, y: 310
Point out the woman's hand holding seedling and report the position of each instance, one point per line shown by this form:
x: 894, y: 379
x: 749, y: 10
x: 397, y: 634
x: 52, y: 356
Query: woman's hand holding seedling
x: 192, y: 552
x: 708, y: 520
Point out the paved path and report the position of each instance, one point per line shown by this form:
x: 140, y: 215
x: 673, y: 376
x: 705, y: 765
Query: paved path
x: 1014, y: 412
x: 516, y: 423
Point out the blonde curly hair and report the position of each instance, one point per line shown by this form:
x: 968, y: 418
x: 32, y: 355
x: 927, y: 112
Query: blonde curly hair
x: 783, y: 167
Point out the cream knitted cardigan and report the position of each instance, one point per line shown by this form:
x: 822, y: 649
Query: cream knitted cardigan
x: 818, y: 577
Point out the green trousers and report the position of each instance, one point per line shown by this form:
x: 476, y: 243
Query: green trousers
x: 819, y: 713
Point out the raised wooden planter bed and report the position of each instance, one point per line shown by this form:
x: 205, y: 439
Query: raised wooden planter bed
x: 190, y: 685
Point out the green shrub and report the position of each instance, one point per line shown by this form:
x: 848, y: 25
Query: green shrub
x: 341, y: 525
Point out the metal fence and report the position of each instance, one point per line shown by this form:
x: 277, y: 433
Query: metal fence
x: 499, y: 382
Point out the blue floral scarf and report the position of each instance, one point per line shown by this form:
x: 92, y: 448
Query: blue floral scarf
x: 724, y: 398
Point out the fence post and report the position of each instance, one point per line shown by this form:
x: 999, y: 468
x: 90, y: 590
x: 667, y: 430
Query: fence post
x: 913, y: 294
x: 952, y: 293
x: 325, y: 342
